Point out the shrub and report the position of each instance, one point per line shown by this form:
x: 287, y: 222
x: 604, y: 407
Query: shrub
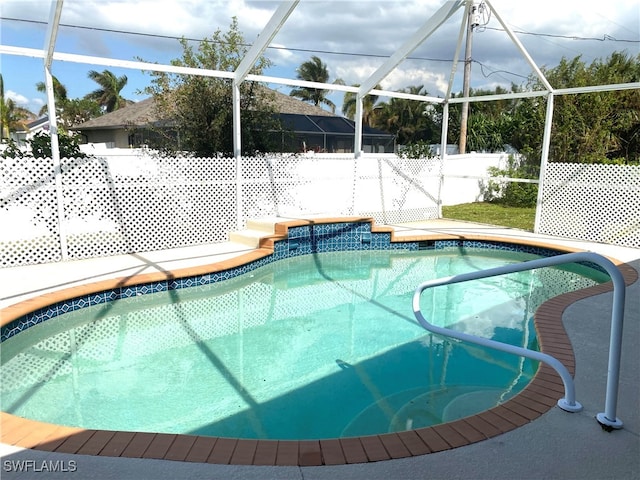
x: 40, y: 147
x: 513, y: 194
x: 419, y: 149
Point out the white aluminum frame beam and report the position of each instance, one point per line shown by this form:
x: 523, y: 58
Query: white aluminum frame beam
x: 456, y: 55
x: 441, y: 16
x: 249, y: 60
x: 407, y: 96
x: 158, y: 67
x: 264, y: 39
x: 544, y: 160
x: 434, y: 22
x: 520, y: 47
x: 49, y: 49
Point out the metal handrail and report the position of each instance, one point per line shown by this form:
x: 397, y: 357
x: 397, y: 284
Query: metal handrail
x: 608, y: 417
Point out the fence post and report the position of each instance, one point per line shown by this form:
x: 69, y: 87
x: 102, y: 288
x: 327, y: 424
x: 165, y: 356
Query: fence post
x: 239, y: 200
x: 546, y: 140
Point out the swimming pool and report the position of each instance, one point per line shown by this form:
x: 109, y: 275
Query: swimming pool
x: 311, y: 346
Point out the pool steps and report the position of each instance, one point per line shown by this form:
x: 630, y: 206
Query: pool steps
x: 248, y: 237
x: 255, y: 231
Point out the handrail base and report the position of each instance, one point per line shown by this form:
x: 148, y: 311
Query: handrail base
x: 567, y: 407
x: 608, y: 424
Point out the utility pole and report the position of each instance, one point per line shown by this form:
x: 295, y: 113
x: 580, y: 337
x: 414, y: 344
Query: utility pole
x: 472, y: 21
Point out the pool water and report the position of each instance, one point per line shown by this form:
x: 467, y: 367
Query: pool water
x: 312, y: 347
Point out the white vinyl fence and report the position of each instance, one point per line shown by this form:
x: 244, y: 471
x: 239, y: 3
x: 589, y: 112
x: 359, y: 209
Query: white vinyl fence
x: 139, y: 202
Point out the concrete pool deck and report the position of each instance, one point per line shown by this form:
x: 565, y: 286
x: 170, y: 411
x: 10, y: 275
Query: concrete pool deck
x: 555, y: 445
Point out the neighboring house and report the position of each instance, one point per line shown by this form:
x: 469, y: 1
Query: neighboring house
x: 33, y: 127
x: 122, y: 128
x: 306, y: 128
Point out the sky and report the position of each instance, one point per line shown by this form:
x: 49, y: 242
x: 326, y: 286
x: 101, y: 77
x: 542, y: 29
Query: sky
x: 352, y: 37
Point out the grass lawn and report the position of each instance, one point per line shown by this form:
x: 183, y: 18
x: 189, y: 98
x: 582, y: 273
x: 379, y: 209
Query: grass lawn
x: 493, y: 214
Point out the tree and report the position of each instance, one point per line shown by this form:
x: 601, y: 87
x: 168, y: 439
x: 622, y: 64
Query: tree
x: 314, y: 70
x: 409, y: 120
x: 593, y: 127
x: 491, y: 124
x: 419, y: 149
x: 59, y: 94
x: 196, y: 111
x: 368, y: 106
x: 69, y: 112
x: 108, y: 95
x: 79, y: 110
x: 12, y: 116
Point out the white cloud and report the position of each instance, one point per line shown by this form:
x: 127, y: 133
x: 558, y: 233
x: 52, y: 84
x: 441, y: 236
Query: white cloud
x: 17, y: 98
x: 184, y: 18
x: 347, y: 35
x: 33, y: 104
x: 280, y: 54
x: 435, y: 83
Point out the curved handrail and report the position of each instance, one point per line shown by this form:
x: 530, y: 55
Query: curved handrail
x: 568, y: 403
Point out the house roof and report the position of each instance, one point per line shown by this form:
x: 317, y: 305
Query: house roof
x: 144, y: 113
x: 288, y: 104
x: 39, y: 122
x: 325, y: 124
x: 138, y: 114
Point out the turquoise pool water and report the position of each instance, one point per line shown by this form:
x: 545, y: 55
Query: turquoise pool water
x: 311, y: 347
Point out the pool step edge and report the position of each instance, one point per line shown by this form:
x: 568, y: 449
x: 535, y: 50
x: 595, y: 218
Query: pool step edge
x: 248, y: 237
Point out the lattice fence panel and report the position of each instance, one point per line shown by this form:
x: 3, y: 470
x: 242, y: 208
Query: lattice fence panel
x: 397, y: 190
x: 600, y: 203
x: 112, y: 206
x: 125, y: 204
x: 28, y: 212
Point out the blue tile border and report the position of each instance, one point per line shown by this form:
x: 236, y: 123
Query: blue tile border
x: 301, y: 240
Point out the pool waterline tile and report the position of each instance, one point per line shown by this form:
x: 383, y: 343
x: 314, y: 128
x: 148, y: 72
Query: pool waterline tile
x: 316, y: 238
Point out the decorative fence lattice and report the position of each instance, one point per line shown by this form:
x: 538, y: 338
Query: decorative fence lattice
x: 29, y: 229
x: 142, y: 203
x: 599, y: 203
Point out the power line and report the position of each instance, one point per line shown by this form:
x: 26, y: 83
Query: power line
x: 483, y: 67
x: 493, y: 72
x: 191, y: 39
x: 605, y: 37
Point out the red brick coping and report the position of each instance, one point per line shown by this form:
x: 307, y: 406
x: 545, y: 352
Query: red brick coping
x: 537, y: 398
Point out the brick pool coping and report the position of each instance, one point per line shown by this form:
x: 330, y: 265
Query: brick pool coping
x: 538, y: 397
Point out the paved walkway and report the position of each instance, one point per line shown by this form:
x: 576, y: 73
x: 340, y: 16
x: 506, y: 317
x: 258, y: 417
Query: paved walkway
x: 558, y: 445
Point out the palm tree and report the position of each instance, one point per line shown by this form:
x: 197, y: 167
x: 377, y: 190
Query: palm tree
x: 314, y: 70
x: 368, y: 106
x: 3, y: 125
x: 59, y: 94
x: 12, y: 116
x: 405, y: 118
x: 108, y: 95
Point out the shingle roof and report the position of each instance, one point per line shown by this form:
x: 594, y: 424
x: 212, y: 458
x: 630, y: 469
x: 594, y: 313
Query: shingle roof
x: 139, y: 113
x: 288, y: 104
x: 143, y: 112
